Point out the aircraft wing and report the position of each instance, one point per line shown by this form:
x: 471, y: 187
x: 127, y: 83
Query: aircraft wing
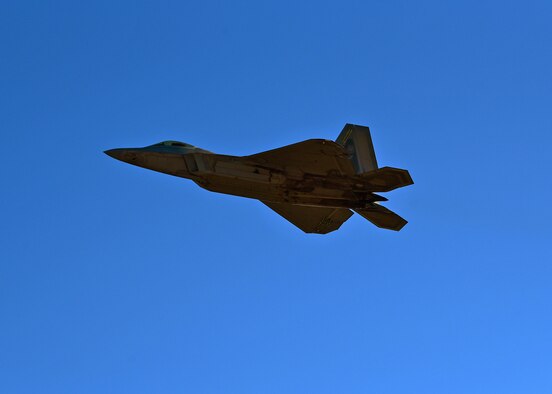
x: 312, y: 219
x: 316, y: 156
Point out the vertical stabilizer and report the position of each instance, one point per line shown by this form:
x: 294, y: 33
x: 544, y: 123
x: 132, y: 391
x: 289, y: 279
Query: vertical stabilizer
x: 358, y: 144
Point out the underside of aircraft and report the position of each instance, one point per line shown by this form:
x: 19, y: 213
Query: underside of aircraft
x: 315, y: 184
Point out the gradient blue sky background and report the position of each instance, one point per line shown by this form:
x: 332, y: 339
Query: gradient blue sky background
x: 114, y: 279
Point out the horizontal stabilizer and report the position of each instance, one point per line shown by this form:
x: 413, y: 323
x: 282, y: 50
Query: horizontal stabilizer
x: 317, y: 220
x: 386, y: 179
x: 314, y: 156
x: 382, y: 217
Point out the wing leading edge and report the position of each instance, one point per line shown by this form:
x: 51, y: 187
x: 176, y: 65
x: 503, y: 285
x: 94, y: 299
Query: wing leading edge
x: 316, y: 156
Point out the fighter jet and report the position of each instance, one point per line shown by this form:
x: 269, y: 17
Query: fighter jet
x: 314, y: 184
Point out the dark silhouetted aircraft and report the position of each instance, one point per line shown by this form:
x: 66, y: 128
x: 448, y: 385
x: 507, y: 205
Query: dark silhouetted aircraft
x: 314, y: 184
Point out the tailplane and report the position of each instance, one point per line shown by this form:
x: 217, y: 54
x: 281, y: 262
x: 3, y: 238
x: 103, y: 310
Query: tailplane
x: 382, y: 217
x: 357, y: 142
x: 386, y: 179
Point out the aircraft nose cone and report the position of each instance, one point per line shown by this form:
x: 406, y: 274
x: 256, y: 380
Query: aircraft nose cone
x: 128, y: 155
x: 115, y: 153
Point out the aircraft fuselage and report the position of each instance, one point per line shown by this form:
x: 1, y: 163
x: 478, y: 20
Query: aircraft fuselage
x: 239, y: 176
x: 314, y: 184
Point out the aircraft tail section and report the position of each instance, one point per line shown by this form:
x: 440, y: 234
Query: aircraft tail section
x: 386, y: 179
x: 382, y: 217
x: 358, y: 144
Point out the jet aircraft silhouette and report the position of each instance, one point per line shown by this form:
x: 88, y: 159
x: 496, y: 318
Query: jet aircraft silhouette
x: 314, y: 184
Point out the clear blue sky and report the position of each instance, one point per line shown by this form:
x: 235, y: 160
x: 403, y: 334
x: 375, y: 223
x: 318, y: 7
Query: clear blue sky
x: 114, y: 279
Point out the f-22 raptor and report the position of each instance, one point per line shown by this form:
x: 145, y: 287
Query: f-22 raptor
x: 314, y: 184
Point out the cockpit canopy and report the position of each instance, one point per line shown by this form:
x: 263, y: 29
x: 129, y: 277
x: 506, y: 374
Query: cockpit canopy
x: 174, y: 143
